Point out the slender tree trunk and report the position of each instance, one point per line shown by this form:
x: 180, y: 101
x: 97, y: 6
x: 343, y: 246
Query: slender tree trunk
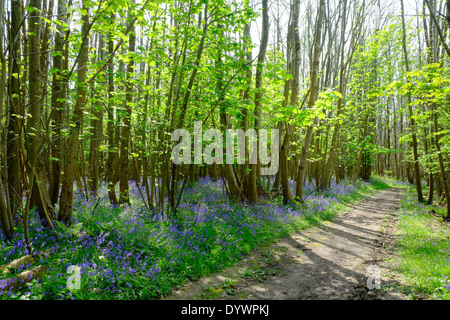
x: 293, y: 58
x: 124, y: 196
x: 185, y: 103
x: 255, y: 174
x: 96, y: 135
x: 72, y: 144
x: 246, y: 102
x: 444, y: 176
x: 327, y: 172
x: 412, y: 121
x: 144, y: 155
x: 232, y: 178
x: 14, y: 135
x: 6, y: 219
x: 312, y: 98
x: 35, y: 141
x: 112, y: 153
x: 58, y: 93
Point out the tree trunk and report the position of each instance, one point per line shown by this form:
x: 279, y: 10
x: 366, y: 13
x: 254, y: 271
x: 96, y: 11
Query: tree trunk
x: 6, y: 219
x: 412, y: 121
x: 327, y: 171
x: 39, y: 194
x: 246, y: 102
x: 444, y: 176
x: 96, y: 135
x: 255, y: 174
x: 58, y: 89
x: 110, y: 128
x: 72, y: 144
x: 312, y: 98
x: 124, y: 196
x: 14, y: 136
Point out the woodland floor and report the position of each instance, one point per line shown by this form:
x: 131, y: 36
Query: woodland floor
x: 326, y: 262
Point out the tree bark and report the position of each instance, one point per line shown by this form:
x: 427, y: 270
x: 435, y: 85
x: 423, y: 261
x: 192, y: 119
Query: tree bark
x: 58, y: 93
x: 72, y: 144
x: 6, y: 218
x: 246, y: 102
x: 441, y: 165
x: 96, y: 135
x: 111, y: 158
x: 255, y: 174
x: 311, y: 102
x: 124, y: 196
x: 327, y: 171
x: 14, y: 135
x: 412, y: 121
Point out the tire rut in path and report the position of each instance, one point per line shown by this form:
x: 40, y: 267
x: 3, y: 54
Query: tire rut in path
x: 329, y: 261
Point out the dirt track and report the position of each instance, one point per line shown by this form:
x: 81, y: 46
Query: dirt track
x: 332, y: 261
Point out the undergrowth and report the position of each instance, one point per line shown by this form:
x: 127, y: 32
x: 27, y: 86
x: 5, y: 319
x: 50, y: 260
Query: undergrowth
x: 423, y: 248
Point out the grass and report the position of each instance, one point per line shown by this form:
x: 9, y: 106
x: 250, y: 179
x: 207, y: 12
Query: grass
x: 423, y: 249
x: 126, y: 252
x: 224, y: 287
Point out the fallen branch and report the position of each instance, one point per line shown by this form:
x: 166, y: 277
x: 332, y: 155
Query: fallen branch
x: 21, y: 279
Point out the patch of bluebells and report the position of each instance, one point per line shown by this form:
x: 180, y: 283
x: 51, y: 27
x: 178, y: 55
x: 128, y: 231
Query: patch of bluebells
x: 129, y: 252
x: 412, y: 207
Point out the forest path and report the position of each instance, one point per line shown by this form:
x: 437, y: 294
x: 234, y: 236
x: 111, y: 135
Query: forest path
x: 330, y: 261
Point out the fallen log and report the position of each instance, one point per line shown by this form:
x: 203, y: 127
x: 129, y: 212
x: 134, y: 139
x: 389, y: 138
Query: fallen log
x: 17, y: 264
x: 21, y: 279
x: 18, y: 281
x: 22, y: 261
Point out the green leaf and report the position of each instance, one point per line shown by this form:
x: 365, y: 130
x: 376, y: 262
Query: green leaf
x: 32, y: 9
